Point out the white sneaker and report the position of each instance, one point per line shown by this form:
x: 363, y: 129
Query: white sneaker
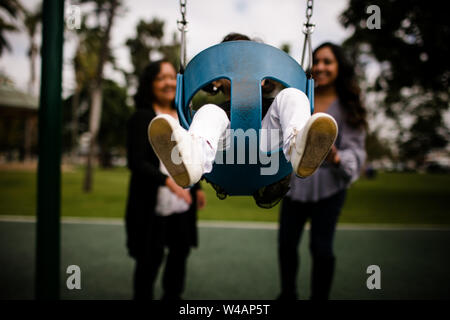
x: 178, y: 150
x: 312, y: 144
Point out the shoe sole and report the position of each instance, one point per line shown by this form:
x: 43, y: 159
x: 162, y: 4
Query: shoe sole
x: 320, y: 138
x: 160, y: 137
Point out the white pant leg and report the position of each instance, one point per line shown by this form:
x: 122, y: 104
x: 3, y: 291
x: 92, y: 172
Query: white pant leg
x: 210, y: 122
x: 288, y: 113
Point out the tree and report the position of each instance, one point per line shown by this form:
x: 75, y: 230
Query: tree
x: 171, y: 51
x: 13, y: 9
x: 31, y: 22
x: 106, y: 10
x: 377, y: 148
x: 85, y: 64
x: 411, y: 46
x: 148, y: 41
x: 286, y: 47
x: 111, y: 136
x: 115, y: 113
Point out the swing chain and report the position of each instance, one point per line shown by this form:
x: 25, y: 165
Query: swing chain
x: 182, y: 26
x: 309, y: 10
x: 308, y: 29
x: 183, y: 12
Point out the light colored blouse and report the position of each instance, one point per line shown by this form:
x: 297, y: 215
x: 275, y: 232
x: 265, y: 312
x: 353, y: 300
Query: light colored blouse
x: 167, y: 203
x: 330, y: 179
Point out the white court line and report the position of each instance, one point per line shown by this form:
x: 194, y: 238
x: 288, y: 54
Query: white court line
x: 235, y: 224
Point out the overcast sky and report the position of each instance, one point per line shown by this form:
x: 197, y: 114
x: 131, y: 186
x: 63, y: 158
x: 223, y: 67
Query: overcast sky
x: 273, y: 21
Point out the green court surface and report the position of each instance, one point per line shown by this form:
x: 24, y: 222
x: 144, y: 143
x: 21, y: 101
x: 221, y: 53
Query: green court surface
x: 234, y: 261
x: 400, y: 198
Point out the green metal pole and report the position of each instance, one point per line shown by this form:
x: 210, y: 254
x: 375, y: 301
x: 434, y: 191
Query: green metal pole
x: 49, y: 172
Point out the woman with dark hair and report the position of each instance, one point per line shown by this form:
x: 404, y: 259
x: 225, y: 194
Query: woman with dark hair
x: 321, y: 196
x: 160, y: 214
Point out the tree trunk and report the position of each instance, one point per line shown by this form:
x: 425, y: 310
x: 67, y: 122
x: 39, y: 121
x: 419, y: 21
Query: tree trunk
x: 28, y: 138
x: 105, y: 158
x: 74, y: 126
x: 94, y: 124
x: 96, y: 99
x: 32, y: 54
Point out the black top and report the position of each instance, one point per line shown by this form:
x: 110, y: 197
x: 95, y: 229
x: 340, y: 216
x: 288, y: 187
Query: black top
x: 142, y: 224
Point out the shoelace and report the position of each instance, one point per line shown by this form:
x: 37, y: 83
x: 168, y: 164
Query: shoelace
x: 293, y: 135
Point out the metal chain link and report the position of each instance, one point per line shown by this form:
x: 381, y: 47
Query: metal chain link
x: 309, y: 9
x: 183, y: 12
x: 308, y: 29
x: 182, y: 26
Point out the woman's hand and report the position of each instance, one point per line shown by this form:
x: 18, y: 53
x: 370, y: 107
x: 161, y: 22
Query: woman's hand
x: 179, y: 191
x: 201, y: 199
x: 333, y: 156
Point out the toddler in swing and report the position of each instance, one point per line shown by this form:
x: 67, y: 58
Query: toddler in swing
x: 304, y: 138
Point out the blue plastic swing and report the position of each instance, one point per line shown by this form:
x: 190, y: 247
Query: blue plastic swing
x: 245, y: 64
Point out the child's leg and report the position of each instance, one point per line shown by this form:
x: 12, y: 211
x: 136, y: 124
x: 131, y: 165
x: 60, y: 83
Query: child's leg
x: 305, y: 139
x: 187, y: 155
x: 210, y: 123
x: 287, y: 114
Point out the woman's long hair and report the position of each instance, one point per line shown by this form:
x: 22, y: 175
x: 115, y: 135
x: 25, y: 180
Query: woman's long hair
x: 144, y: 97
x: 347, y: 87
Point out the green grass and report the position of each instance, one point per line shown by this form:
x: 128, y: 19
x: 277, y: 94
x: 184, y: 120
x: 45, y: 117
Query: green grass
x: 406, y: 198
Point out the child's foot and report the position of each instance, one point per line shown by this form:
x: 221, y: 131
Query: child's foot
x: 182, y: 163
x: 312, y: 144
